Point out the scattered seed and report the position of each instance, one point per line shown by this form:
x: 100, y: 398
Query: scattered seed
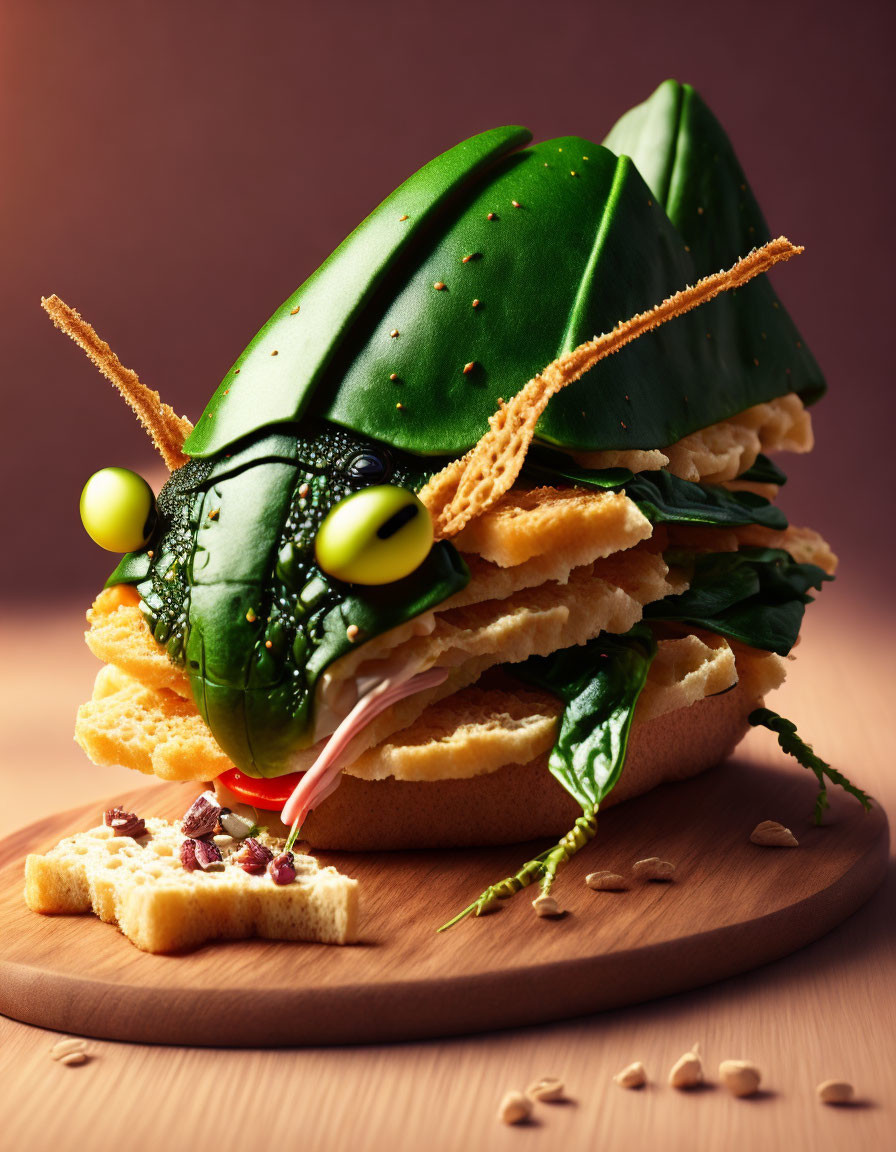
x: 269, y: 644
x: 467, y: 259
x: 400, y: 406
x: 492, y: 216
x: 687, y: 1071
x: 251, y: 617
x: 352, y: 632
x: 632, y: 1076
x: 469, y: 366
x: 546, y: 906
x: 771, y: 834
x: 547, y: 1089
x: 653, y: 869
x: 303, y: 490
x: 74, y: 1058
x: 515, y: 1108
x: 275, y: 353
x: 475, y: 303
x: 393, y: 375
x: 573, y: 172
x: 394, y: 333
x: 402, y: 217
x: 835, y: 1092
x: 214, y: 514
x: 292, y: 313
x: 516, y: 203
x: 605, y: 881
x: 740, y: 1077
x: 439, y: 286
x: 68, y: 1046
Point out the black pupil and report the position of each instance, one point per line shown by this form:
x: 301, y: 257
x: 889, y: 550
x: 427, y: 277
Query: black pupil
x: 397, y: 521
x: 368, y: 468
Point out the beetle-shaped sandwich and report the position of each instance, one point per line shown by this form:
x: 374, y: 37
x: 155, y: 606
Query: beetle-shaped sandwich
x: 476, y: 618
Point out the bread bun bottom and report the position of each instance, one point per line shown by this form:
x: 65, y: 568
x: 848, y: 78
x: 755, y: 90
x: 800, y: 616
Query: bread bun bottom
x: 519, y: 801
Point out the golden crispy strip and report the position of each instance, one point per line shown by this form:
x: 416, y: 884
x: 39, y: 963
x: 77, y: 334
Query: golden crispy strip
x: 467, y: 487
x: 582, y: 526
x: 167, y: 430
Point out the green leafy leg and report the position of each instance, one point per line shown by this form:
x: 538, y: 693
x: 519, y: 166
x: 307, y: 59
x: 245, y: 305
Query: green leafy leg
x: 542, y: 869
x: 599, y: 683
x: 791, y: 743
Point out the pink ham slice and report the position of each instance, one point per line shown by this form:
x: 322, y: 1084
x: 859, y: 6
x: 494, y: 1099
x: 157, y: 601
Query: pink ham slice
x: 322, y: 778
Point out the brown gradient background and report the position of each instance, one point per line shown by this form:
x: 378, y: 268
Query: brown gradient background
x: 175, y: 170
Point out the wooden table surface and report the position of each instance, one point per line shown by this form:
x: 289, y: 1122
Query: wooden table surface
x: 826, y: 1011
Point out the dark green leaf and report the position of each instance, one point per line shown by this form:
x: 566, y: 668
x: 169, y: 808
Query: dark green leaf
x: 662, y: 497
x: 684, y: 155
x: 764, y: 471
x: 755, y: 595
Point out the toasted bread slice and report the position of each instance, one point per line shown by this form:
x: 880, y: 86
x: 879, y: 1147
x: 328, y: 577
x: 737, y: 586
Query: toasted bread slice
x: 141, y: 885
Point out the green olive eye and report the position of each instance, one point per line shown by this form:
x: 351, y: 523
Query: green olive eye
x: 374, y: 536
x: 118, y: 509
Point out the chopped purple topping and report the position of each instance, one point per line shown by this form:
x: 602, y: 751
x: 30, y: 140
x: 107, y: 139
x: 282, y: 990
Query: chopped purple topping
x: 124, y: 823
x: 202, y: 816
x: 253, y: 857
x: 282, y: 868
x: 188, y: 855
x: 208, y: 855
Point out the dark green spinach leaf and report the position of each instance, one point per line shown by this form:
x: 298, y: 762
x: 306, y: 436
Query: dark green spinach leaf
x: 755, y: 595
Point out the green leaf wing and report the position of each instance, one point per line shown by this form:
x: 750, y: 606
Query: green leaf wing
x: 275, y: 377
x: 687, y: 160
x: 556, y: 243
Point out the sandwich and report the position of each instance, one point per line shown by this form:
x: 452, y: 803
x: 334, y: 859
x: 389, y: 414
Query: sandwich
x: 478, y: 535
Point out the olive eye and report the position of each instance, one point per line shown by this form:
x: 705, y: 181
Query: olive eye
x: 368, y: 468
x: 118, y: 509
x: 374, y: 536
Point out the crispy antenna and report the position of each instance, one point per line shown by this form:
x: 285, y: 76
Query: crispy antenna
x: 469, y: 486
x: 167, y: 429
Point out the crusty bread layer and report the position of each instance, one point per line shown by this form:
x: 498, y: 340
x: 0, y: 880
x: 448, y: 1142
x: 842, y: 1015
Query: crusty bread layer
x: 519, y: 801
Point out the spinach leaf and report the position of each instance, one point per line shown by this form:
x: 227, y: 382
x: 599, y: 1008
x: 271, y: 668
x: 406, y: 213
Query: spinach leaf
x: 599, y: 683
x: 666, y: 499
x: 764, y: 471
x: 755, y: 595
x: 804, y: 754
x: 662, y: 497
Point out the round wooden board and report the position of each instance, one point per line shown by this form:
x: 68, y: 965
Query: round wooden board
x: 731, y: 907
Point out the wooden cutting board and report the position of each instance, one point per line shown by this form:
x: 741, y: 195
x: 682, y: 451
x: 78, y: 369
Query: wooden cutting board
x: 731, y: 907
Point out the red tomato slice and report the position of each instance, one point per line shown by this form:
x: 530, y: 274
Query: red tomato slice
x: 270, y: 794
